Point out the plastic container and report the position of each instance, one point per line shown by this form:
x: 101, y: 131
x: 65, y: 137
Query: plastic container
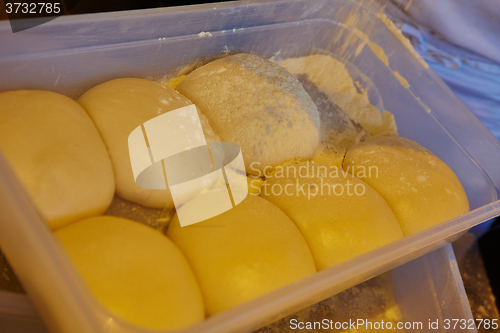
x: 18, y: 315
x: 426, y: 289
x: 71, y: 54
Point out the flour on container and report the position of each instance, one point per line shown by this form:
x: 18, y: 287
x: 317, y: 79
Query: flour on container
x: 401, y: 37
x: 401, y: 79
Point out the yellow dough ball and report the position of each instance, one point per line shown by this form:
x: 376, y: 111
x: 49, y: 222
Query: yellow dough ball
x: 243, y: 253
x: 258, y: 105
x: 135, y: 272
x: 57, y: 153
x: 119, y: 106
x: 420, y: 188
x: 340, y: 216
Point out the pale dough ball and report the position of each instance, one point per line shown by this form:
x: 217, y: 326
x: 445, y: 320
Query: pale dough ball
x: 421, y: 190
x: 57, y: 153
x: 340, y: 216
x: 243, y: 253
x: 258, y: 105
x: 332, y: 78
x: 117, y: 107
x: 135, y: 272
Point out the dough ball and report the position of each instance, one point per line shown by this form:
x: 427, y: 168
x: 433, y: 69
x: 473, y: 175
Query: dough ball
x: 135, y: 272
x: 117, y: 107
x: 421, y: 190
x: 243, y: 253
x: 57, y: 153
x: 333, y: 79
x: 340, y: 216
x: 258, y: 105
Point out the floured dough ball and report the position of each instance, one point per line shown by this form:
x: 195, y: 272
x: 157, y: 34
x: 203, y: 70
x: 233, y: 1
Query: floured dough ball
x: 420, y: 188
x: 243, y: 253
x: 134, y: 271
x: 258, y: 105
x: 117, y: 107
x: 339, y: 215
x: 57, y: 153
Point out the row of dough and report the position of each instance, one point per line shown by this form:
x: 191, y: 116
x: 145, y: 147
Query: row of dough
x: 54, y: 143
x: 264, y: 243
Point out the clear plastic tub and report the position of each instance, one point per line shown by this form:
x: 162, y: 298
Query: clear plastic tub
x: 426, y: 289
x: 71, y: 54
